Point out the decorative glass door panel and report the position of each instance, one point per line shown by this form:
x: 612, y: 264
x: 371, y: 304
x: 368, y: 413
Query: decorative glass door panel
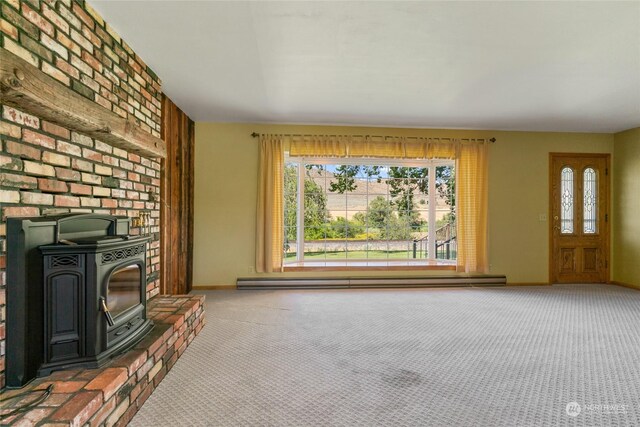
x: 566, y: 201
x: 590, y: 197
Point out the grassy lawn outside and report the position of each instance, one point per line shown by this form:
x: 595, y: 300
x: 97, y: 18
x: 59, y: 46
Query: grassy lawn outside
x: 339, y: 255
x: 335, y: 255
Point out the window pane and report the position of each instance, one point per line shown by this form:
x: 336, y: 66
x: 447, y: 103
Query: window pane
x: 590, y: 201
x: 566, y: 201
x: 446, y: 213
x: 290, y: 243
x: 372, y: 211
x: 377, y: 248
x: 314, y: 244
x: 290, y: 210
x: 315, y: 201
x: 290, y: 194
x: 356, y: 249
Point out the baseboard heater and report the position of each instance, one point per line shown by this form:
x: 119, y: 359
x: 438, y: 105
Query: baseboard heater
x: 368, y: 282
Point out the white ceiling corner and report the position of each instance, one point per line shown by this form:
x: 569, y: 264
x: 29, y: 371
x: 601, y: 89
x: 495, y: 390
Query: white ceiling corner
x: 536, y: 66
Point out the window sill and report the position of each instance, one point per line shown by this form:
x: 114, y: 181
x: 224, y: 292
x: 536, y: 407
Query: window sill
x: 369, y: 266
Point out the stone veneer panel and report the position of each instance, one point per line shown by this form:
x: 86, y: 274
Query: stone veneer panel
x: 45, y: 168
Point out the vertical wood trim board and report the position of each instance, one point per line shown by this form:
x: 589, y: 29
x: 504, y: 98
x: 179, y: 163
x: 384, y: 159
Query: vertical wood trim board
x: 176, y: 200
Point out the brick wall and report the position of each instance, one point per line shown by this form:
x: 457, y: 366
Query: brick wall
x: 46, y: 168
x: 70, y: 42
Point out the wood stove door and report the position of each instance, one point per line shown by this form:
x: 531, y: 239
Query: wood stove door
x: 123, y: 288
x: 124, y: 293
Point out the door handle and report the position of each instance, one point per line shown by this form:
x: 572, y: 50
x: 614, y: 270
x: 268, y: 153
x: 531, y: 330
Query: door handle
x: 105, y: 310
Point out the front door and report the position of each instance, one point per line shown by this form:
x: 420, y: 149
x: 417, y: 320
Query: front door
x: 579, y: 223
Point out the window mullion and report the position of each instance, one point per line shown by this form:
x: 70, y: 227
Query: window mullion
x: 300, y: 218
x: 431, y: 236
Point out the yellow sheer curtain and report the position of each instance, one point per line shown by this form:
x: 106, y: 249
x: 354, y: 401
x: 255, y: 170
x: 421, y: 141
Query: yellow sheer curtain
x: 472, y: 173
x: 318, y: 146
x: 372, y: 147
x: 389, y: 147
x: 270, y: 213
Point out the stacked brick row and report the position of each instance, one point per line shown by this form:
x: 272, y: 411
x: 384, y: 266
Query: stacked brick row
x: 45, y: 168
x: 112, y: 395
x: 70, y: 42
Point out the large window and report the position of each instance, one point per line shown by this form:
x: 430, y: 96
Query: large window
x: 336, y: 210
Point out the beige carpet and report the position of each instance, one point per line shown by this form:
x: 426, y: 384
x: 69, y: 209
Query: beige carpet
x: 470, y: 356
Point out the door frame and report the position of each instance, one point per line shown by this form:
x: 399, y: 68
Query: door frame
x: 607, y: 224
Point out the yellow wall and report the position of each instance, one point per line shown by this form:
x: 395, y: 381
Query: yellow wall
x: 226, y: 183
x: 626, y: 202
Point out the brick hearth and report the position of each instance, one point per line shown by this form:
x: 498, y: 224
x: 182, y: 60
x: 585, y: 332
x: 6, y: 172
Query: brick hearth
x: 113, y: 394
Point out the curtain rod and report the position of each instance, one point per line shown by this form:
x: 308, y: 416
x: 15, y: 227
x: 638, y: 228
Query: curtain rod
x: 256, y: 134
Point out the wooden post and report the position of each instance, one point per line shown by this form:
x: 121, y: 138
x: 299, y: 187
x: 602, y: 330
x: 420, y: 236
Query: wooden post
x: 176, y: 201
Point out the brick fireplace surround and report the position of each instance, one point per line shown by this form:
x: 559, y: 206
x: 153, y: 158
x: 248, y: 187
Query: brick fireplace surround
x: 113, y: 394
x: 46, y: 168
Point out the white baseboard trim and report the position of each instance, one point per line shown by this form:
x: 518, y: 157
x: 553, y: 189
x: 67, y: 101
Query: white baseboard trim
x: 221, y: 287
x: 626, y: 285
x: 369, y: 282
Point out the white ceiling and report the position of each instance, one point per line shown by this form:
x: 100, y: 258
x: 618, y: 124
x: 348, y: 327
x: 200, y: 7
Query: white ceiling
x: 539, y: 66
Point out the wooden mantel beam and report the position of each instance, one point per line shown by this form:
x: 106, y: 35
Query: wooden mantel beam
x: 27, y: 88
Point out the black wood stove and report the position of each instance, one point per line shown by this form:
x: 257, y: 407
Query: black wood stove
x: 76, y: 293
